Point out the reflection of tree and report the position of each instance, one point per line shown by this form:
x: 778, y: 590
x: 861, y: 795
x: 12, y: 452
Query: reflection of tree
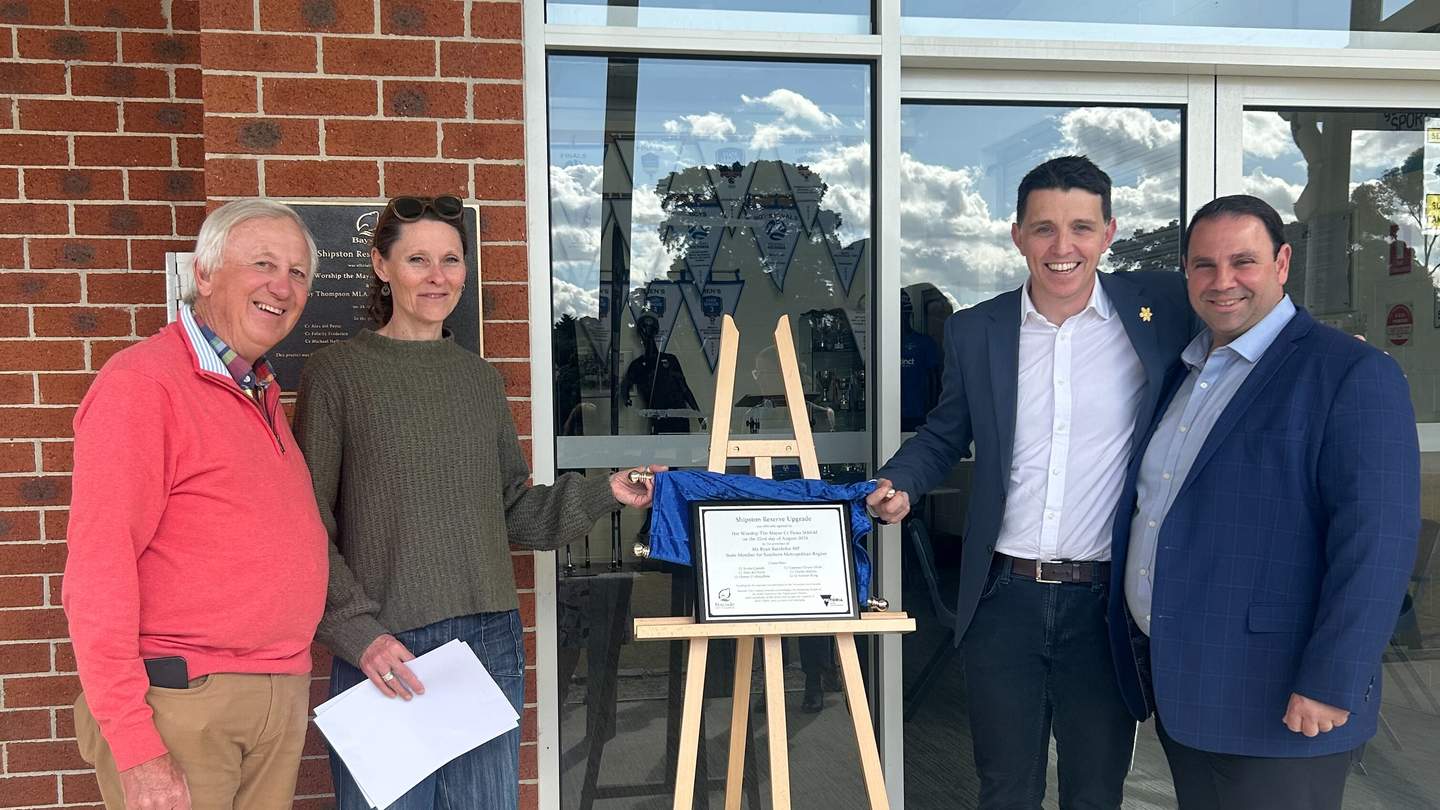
x: 765, y: 215
x: 729, y: 229
x: 567, y: 377
x: 778, y: 201
x: 1148, y: 250
x: 1399, y: 192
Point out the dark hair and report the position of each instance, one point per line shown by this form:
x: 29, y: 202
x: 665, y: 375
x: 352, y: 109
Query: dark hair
x: 1238, y: 205
x: 387, y: 232
x: 1064, y: 173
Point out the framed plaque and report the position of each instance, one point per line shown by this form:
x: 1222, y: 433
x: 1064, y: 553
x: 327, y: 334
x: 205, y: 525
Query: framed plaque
x: 773, y: 560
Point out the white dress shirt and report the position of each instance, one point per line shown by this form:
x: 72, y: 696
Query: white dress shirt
x: 1078, y: 389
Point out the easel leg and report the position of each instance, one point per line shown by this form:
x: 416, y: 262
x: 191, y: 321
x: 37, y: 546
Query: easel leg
x: 739, y: 721
x: 690, y: 724
x: 775, y: 715
x: 860, y: 715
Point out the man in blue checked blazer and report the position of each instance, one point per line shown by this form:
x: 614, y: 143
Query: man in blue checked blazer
x: 1273, y: 512
x: 1051, y: 382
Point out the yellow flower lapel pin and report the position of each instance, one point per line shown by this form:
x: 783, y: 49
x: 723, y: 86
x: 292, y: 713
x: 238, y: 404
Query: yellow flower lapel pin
x: 1145, y: 314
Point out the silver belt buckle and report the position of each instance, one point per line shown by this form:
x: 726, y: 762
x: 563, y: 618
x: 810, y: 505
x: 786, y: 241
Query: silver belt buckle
x: 1040, y: 571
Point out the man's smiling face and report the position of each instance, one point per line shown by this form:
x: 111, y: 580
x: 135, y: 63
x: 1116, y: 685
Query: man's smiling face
x: 1235, y: 274
x: 1062, y: 238
x: 254, y: 298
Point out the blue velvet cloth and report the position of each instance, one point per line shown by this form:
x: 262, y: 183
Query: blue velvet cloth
x: 676, y: 491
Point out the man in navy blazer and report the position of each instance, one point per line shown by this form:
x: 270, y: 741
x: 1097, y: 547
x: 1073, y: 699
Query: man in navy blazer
x: 1051, y: 382
x: 1274, y: 509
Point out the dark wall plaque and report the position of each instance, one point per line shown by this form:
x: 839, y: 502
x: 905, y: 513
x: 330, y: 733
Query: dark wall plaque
x: 339, y: 292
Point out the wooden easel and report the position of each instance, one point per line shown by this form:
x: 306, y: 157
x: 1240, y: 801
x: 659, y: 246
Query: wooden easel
x: 762, y: 453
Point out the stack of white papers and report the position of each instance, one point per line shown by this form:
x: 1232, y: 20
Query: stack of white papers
x: 390, y: 745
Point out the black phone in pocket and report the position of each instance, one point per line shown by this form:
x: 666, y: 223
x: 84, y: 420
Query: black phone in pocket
x: 169, y: 672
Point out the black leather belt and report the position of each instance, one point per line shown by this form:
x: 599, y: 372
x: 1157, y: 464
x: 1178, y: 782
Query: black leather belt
x: 1057, y: 571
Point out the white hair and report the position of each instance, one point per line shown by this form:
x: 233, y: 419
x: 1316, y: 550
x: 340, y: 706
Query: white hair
x: 215, y: 232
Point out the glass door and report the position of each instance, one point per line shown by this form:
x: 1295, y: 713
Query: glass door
x: 683, y: 190
x: 966, y: 141
x: 1349, y: 165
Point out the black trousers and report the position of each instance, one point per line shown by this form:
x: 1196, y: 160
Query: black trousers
x: 1037, y: 661
x: 1209, y: 781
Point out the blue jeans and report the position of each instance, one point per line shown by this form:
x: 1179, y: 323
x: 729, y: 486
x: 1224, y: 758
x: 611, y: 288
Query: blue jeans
x: 1037, y: 661
x: 486, y: 777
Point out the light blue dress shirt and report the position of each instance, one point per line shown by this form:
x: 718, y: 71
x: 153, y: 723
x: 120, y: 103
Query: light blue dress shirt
x: 1214, y: 378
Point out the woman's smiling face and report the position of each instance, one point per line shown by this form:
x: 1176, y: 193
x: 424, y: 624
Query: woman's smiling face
x: 425, y: 271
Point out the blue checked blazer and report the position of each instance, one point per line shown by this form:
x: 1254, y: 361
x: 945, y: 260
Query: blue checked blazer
x: 1283, y: 561
x: 978, y: 404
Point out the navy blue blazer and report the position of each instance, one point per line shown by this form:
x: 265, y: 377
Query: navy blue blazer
x: 1283, y: 561
x: 977, y: 404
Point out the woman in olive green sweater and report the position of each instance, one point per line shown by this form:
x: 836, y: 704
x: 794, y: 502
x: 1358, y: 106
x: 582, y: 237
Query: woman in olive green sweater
x: 422, y: 484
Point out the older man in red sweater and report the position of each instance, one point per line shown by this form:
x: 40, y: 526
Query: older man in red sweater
x: 198, y: 563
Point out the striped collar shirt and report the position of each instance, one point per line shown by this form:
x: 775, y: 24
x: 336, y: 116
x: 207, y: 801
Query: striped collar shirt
x: 215, y: 355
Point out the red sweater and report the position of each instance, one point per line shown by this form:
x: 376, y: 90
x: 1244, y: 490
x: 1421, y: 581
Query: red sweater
x: 193, y: 532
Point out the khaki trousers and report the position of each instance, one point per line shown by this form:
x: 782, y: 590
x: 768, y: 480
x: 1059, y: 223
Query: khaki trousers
x: 237, y: 738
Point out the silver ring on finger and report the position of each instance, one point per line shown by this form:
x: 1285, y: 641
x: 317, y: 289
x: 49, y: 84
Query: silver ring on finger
x: 388, y: 677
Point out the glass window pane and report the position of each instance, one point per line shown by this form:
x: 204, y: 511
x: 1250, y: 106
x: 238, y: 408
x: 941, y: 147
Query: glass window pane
x: 961, y: 165
x: 831, y: 17
x: 1350, y: 186
x: 683, y: 190
x: 1314, y: 24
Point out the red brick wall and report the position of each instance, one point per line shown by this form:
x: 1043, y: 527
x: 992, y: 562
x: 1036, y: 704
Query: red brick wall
x: 119, y: 121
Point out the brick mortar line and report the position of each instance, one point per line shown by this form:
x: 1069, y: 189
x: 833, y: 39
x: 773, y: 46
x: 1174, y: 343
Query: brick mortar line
x: 400, y: 159
x: 119, y: 100
x: 169, y: 29
x: 333, y: 117
x: 380, y: 77
x: 347, y: 35
x: 102, y: 99
x: 117, y: 62
x: 127, y: 200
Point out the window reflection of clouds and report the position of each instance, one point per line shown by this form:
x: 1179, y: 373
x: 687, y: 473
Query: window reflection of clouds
x: 1350, y: 198
x: 693, y: 113
x: 1277, y: 172
x: 962, y: 163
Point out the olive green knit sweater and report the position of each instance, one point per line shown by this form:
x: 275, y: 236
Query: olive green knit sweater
x: 421, y: 483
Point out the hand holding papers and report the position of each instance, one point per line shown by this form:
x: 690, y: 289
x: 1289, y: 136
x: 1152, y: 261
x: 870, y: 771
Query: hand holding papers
x: 391, y: 745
